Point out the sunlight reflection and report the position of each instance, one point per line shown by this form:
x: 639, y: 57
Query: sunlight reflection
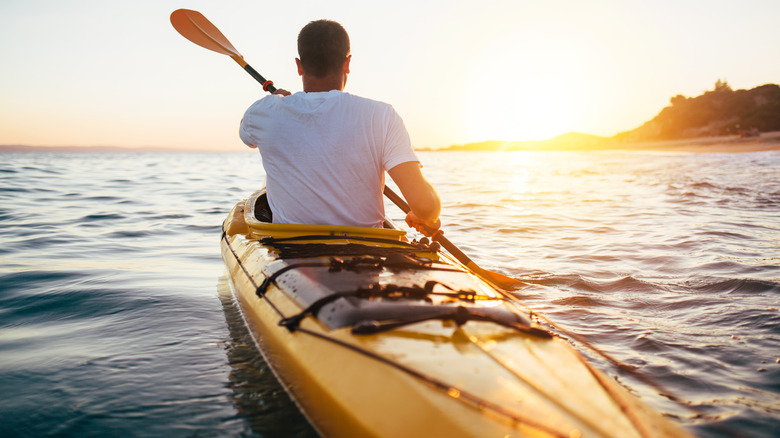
x: 519, y: 184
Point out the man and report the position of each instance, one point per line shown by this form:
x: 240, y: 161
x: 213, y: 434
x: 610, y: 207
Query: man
x: 325, y: 151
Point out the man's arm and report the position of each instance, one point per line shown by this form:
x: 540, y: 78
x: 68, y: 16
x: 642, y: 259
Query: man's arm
x: 420, y: 195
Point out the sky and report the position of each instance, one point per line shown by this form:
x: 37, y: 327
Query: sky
x: 104, y: 73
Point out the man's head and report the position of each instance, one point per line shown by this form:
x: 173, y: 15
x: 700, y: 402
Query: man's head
x: 323, y: 48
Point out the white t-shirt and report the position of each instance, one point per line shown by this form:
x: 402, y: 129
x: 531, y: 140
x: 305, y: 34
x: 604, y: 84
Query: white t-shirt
x: 325, y: 155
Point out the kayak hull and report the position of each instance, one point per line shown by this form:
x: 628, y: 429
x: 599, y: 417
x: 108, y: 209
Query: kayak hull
x: 435, y: 377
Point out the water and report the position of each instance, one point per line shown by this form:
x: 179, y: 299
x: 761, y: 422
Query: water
x: 116, y: 318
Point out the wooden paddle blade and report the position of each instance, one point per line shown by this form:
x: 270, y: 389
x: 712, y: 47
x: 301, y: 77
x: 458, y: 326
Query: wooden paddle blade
x: 500, y: 280
x: 198, y: 29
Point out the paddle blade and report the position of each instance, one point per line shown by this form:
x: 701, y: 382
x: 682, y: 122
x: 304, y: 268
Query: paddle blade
x: 500, y: 280
x: 198, y: 29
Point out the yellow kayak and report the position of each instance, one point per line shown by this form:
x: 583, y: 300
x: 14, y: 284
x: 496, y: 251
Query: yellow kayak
x: 375, y: 336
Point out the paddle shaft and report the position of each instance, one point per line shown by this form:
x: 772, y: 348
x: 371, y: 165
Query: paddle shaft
x: 497, y: 279
x: 266, y: 86
x: 438, y: 237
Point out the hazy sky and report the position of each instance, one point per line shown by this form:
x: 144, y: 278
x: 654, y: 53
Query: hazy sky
x: 116, y: 73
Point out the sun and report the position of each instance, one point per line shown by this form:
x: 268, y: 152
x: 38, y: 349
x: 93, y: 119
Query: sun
x: 529, y: 84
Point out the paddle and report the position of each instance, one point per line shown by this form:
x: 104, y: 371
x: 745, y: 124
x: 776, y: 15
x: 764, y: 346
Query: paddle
x: 198, y: 29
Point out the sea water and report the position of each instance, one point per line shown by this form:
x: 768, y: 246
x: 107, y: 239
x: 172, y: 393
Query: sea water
x: 116, y: 318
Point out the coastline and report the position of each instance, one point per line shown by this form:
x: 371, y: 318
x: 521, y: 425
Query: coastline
x: 769, y: 141
x: 109, y: 149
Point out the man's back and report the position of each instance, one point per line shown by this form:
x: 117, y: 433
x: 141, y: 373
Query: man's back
x: 325, y: 155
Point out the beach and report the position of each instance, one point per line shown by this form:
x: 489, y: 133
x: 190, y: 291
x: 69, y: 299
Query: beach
x: 769, y: 141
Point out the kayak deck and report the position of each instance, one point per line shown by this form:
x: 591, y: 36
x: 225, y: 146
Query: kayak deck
x: 375, y: 336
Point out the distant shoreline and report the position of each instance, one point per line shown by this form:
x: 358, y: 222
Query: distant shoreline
x: 769, y: 141
x: 106, y: 149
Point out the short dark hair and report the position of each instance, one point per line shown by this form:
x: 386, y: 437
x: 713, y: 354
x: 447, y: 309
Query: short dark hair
x: 323, y: 46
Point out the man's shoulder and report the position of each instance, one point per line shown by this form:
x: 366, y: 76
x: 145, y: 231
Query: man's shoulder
x: 265, y: 101
x: 365, y: 102
x: 364, y: 99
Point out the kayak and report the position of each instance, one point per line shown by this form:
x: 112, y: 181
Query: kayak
x: 373, y: 335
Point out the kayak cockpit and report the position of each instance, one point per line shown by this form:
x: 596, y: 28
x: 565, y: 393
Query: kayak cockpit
x: 258, y: 218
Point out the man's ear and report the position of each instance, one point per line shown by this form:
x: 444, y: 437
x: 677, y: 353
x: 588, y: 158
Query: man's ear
x: 346, y: 64
x: 300, y: 67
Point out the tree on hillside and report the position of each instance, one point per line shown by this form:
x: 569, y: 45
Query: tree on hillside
x: 678, y: 100
x: 722, y: 86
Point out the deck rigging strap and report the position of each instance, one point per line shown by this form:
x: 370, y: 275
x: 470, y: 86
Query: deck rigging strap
x: 388, y: 291
x: 458, y: 314
x: 355, y: 264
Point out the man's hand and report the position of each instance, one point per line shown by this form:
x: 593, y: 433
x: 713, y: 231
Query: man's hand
x: 424, y: 202
x: 282, y: 92
x: 426, y: 228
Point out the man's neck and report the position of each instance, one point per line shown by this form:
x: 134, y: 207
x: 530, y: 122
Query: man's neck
x: 313, y: 84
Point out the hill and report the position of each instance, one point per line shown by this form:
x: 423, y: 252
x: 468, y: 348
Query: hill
x: 721, y: 111
x: 570, y: 141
